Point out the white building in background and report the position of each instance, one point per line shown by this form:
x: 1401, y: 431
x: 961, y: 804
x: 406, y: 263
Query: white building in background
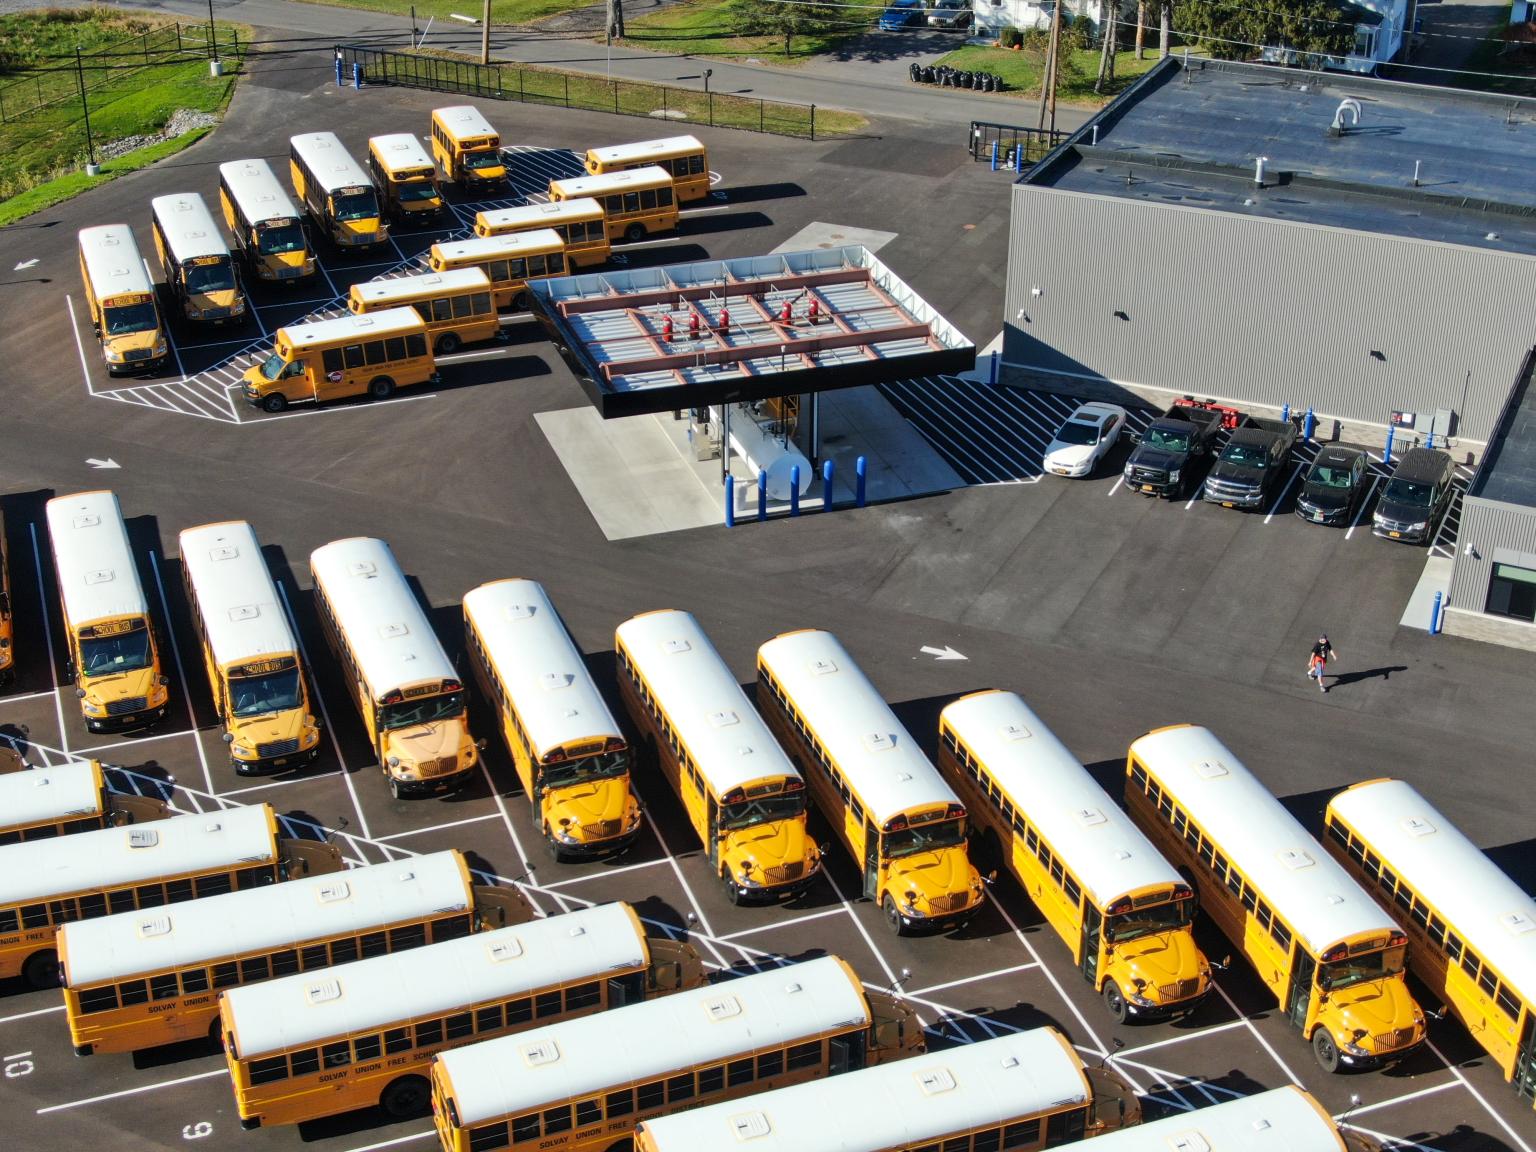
x: 992, y: 16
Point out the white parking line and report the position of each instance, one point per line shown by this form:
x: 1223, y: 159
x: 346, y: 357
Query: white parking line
x: 85, y: 369
x: 1362, y: 1109
x: 279, y: 783
x: 1364, y: 504
x: 1119, y: 480
x: 973, y: 979
x: 28, y: 696
x: 1195, y: 1035
x: 181, y: 672
x: 1395, y: 1143
x: 29, y: 1015
x: 1193, y: 499
x: 437, y: 827
x: 1478, y: 1096
x: 132, y: 1091
x: 1049, y: 975
x: 1259, y: 1036
x: 396, y: 1141
x: 1280, y: 499
x: 42, y: 597
x: 605, y: 872
x: 782, y: 923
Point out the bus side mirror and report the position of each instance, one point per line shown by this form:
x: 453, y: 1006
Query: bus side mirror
x: 1438, y: 1013
x: 480, y: 744
x: 1223, y: 964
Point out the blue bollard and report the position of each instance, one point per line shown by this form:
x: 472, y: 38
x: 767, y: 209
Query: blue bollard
x: 794, y: 489
x: 992, y: 370
x: 1430, y: 443
x: 1309, y: 425
x: 1018, y: 157
x: 762, y: 494
x: 1285, y: 413
x: 994, y: 155
x: 826, y: 486
x: 730, y: 501
x: 338, y: 70
x: 860, y: 473
x: 1434, y: 616
x: 357, y: 75
x: 1386, y: 456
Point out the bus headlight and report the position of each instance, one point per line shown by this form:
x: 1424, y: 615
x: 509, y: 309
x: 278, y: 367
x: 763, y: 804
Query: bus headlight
x: 160, y: 346
x: 114, y: 356
x: 747, y: 880
x: 240, y: 751
x: 91, y: 708
x: 1353, y: 1046
x: 158, y: 695
x: 1138, y: 996
x: 568, y: 830
x: 909, y: 904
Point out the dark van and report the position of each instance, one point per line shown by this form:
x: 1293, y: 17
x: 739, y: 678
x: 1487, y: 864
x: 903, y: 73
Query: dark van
x: 1416, y: 498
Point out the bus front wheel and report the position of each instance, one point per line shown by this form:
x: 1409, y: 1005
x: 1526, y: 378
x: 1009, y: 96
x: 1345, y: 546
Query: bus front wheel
x: 406, y: 1097
x: 1114, y: 1000
x: 381, y: 388
x: 274, y: 402
x: 1326, y: 1051
x: 42, y: 969
x: 732, y: 892
x: 892, y: 916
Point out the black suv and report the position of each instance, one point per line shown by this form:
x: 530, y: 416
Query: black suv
x: 1416, y: 498
x: 1334, y: 486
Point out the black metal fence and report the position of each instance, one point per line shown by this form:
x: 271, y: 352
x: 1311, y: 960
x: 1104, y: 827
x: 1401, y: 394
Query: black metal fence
x: 1011, y: 146
x: 576, y: 90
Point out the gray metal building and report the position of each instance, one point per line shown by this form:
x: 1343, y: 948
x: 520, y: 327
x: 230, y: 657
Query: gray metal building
x: 1272, y: 236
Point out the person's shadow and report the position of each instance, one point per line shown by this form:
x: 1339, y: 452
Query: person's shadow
x: 1342, y: 678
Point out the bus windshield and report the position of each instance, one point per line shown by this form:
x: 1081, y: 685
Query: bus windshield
x: 109, y: 655
x: 280, y: 238
x: 603, y: 766
x: 1360, y: 969
x: 478, y: 160
x: 761, y: 810
x: 422, y: 711
x: 925, y: 838
x: 130, y: 318
x: 218, y: 277
x: 355, y: 205
x: 272, y: 367
x: 410, y: 193
x: 1145, y: 921
x: 274, y: 692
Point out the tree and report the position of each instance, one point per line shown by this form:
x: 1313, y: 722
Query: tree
x: 1141, y: 28
x: 616, y: 19
x: 1311, y: 28
x: 1109, y: 26
x: 1165, y: 28
x: 785, y: 21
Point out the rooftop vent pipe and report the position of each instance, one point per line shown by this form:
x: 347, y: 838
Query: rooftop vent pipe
x: 1258, y: 169
x: 1348, y: 104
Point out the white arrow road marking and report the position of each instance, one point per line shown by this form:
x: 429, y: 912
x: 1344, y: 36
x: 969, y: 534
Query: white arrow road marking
x: 107, y: 463
x: 944, y: 653
x: 25, y: 264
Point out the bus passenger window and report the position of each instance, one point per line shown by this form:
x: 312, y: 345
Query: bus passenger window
x: 353, y: 355
x: 482, y: 303
x: 395, y: 348
x: 338, y: 1054
x: 588, y: 1112
x: 664, y: 197
x: 415, y: 344
x: 374, y: 351
x: 163, y: 986
x: 648, y: 199
x: 442, y: 310
x: 462, y: 307
x: 556, y: 264
x: 620, y: 1103
x: 631, y: 202
x: 517, y: 269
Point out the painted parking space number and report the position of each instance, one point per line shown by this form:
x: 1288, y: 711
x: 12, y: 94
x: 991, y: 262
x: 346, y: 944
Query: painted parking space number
x: 197, y: 1131
x: 18, y: 1065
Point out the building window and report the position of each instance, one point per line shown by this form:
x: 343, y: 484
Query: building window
x: 1512, y: 592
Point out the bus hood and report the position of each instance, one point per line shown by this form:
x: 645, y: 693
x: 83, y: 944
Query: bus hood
x: 943, y: 875
x: 433, y: 749
x: 270, y: 728
x: 101, y: 690
x: 1162, y: 960
x: 148, y: 344
x: 767, y: 847
x: 1377, y: 1008
x: 590, y: 802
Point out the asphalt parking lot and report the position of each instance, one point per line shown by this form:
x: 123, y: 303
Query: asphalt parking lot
x: 1111, y: 614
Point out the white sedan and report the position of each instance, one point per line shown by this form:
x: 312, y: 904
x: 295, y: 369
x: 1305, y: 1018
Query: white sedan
x: 1083, y: 440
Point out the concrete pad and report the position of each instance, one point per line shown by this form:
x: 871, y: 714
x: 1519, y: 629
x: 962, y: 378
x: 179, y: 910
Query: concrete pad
x: 819, y: 235
x: 860, y: 422
x: 982, y: 373
x: 1436, y: 577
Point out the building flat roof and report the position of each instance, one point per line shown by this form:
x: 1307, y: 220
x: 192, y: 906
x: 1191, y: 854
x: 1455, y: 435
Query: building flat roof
x: 1508, y: 471
x: 744, y: 329
x: 1189, y: 134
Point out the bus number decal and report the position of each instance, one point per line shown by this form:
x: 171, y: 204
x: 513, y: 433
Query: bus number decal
x: 197, y: 1131
x: 18, y: 1066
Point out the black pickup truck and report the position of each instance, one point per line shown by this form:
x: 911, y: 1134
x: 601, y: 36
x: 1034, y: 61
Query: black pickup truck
x: 1165, y: 452
x: 1251, y: 464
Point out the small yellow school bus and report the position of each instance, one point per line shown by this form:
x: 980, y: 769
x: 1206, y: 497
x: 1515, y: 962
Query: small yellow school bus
x: 268, y: 231
x: 635, y: 203
x: 113, y: 658
x: 7, y: 653
x: 468, y: 149
x: 249, y: 650
x: 121, y: 299
x: 510, y: 261
x: 41, y: 803
x: 406, y: 177
x: 337, y: 192
x: 579, y: 223
x: 198, y: 267
x: 348, y: 356
x: 456, y: 305
x: 682, y: 157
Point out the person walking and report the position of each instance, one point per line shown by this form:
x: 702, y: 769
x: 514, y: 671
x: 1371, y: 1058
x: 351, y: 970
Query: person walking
x: 1317, y: 662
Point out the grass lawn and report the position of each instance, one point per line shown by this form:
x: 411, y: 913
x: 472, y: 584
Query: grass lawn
x: 1022, y: 70
x: 502, y: 11
x: 703, y: 28
x: 53, y: 192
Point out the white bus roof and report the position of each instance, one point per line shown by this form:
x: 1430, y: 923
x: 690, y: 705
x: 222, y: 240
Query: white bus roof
x: 389, y: 322
x: 607, y: 182
x: 903, y: 1104
x: 90, y: 861
x: 855, y: 724
x: 260, y: 919
x: 489, y: 247
x: 256, y: 191
x: 1281, y: 1120
x: 539, y: 665
x: 729, y: 742
x: 643, y: 149
x: 235, y: 594
x: 388, y: 632
x: 188, y: 226
x: 112, y: 261
x: 516, y: 1074
x: 1488, y: 910
x: 464, y: 120
x: 366, y: 995
x: 551, y: 212
x: 38, y: 795
x: 1107, y: 852
x: 330, y: 164
x: 399, y: 150
x: 425, y: 284
x: 1302, y: 883
x: 91, y: 554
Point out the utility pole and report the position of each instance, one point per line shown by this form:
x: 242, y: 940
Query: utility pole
x: 485, y: 34
x: 91, y: 168
x: 616, y: 19
x: 1048, y: 76
x: 213, y: 42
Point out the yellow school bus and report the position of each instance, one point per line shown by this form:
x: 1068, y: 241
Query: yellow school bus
x: 268, y: 231
x: 904, y: 827
x: 509, y: 261
x: 121, y: 300
x: 365, y: 1033
x: 337, y: 192
x: 743, y: 797
x: 139, y: 981
x: 336, y: 359
x: 7, y: 653
x: 580, y: 224
x: 198, y: 267
x: 1471, y: 929
x: 249, y: 650
x: 405, y: 176
x: 403, y: 684
x: 584, y: 1085
x: 1120, y: 908
x: 41, y: 803
x: 468, y: 149
x: 635, y: 203
x: 1332, y: 960
x: 569, y: 753
x: 681, y: 157
x: 46, y: 884
x: 456, y: 305
x: 113, y: 658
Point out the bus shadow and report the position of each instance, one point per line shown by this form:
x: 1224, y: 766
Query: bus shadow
x: 1307, y: 807
x: 34, y: 668
x: 1518, y: 862
x: 951, y: 1031
x: 750, y: 193
x: 164, y: 1055
x: 724, y: 222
